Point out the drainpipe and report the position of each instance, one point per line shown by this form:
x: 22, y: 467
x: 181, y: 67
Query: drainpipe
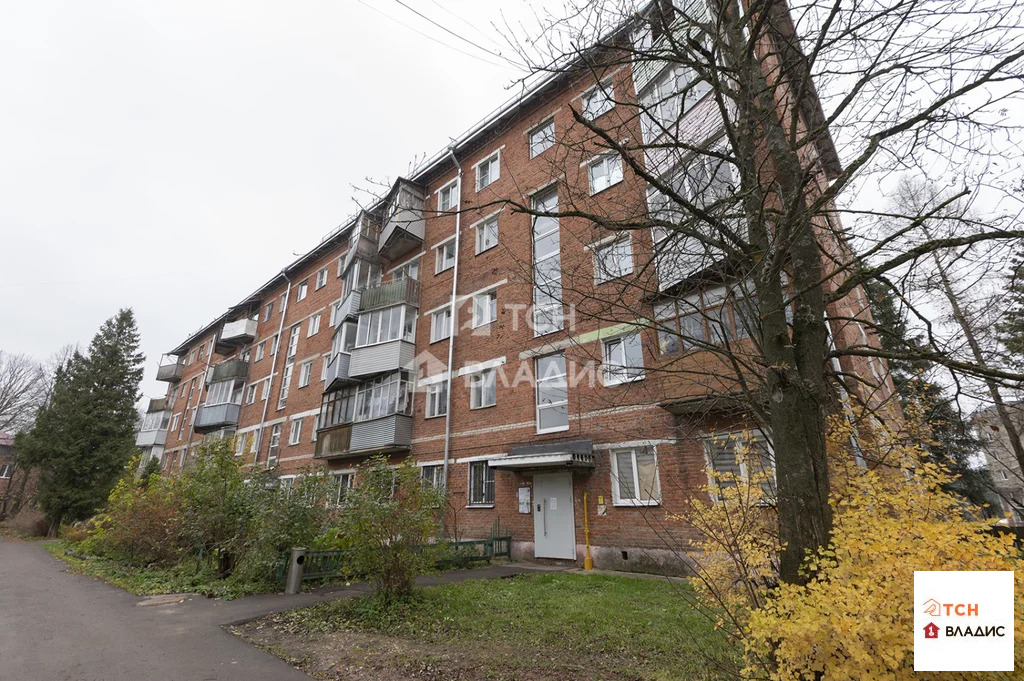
x: 199, y: 399
x: 273, y: 368
x: 455, y: 327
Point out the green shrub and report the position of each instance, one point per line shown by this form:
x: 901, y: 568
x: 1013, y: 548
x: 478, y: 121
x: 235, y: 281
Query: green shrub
x: 388, y: 520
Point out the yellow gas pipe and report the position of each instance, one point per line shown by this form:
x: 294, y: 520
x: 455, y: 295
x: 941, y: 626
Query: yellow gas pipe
x: 588, y: 562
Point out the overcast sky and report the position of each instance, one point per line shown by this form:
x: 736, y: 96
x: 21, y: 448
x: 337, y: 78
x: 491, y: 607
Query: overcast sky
x: 172, y: 156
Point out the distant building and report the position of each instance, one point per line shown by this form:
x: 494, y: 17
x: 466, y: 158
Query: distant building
x: 6, y: 463
x: 999, y: 456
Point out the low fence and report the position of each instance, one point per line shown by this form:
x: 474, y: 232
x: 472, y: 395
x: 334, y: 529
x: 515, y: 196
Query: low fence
x: 328, y: 564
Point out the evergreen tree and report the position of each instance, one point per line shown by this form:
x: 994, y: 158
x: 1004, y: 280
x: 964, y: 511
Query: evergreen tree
x: 954, y: 443
x: 1011, y: 327
x: 85, y: 435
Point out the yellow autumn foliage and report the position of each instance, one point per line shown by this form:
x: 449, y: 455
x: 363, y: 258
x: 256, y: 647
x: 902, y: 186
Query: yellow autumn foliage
x: 855, y: 618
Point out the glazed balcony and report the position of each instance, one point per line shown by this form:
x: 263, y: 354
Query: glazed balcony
x: 214, y: 417
x: 349, y: 307
x: 381, y: 358
x: 404, y: 228
x: 334, y: 443
x: 235, y: 334
x: 171, y: 369
x: 151, y: 438
x: 338, y: 372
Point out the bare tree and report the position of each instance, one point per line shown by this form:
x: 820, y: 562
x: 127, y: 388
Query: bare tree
x: 735, y: 190
x: 22, y: 390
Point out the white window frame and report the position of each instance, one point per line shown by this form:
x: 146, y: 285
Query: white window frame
x: 435, y: 317
x: 268, y: 311
x: 261, y: 351
x: 451, y: 191
x: 612, y: 165
x: 295, y: 432
x: 286, y: 379
x: 6, y: 470
x: 491, y: 298
x: 492, y: 161
x: 293, y: 341
x: 604, y: 89
x: 614, y: 371
x: 550, y: 139
x: 439, y: 259
x: 274, y: 448
x: 601, y: 273
x: 477, y: 385
x: 617, y: 498
x: 250, y: 393
x: 481, y: 233
x: 435, y: 399
x: 314, y: 325
x: 321, y: 279
x: 305, y: 373
x: 709, y: 441
x: 302, y: 290
x: 549, y: 405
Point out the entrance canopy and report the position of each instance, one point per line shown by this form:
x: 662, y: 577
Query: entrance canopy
x: 575, y: 454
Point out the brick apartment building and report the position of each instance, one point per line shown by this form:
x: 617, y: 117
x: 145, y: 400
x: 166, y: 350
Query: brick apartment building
x: 345, y: 353
x: 1000, y: 458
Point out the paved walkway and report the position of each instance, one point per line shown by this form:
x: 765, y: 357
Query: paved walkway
x: 59, y: 626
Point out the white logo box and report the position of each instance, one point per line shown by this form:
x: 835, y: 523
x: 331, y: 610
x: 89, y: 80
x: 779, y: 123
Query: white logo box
x: 970, y: 615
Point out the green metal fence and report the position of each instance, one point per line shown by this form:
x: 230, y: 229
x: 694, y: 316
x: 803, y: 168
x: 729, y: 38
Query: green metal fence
x: 327, y: 564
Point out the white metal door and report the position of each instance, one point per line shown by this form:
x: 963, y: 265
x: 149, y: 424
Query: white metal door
x: 554, y: 528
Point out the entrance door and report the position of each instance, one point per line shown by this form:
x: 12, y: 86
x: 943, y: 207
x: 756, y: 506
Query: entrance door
x: 554, y: 528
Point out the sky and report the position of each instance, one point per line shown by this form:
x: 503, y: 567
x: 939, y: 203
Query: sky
x: 172, y: 156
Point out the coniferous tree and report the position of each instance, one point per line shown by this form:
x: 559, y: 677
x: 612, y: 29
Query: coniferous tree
x: 954, y: 444
x: 1011, y: 326
x: 84, y: 436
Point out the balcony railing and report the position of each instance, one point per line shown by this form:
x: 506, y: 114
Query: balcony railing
x: 332, y: 443
x: 337, y: 372
x: 171, y: 369
x: 405, y: 291
x: 238, y: 332
x: 231, y: 369
x: 217, y: 416
x: 151, y: 438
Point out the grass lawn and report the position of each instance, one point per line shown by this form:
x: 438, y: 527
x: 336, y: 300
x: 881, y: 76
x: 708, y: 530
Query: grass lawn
x: 549, y: 625
x: 150, y: 581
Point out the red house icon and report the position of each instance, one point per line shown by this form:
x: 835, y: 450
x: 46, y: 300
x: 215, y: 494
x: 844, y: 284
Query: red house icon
x: 931, y: 630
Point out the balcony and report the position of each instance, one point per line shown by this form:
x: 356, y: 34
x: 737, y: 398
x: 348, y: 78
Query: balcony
x: 236, y: 333
x: 217, y: 416
x: 338, y: 372
x: 362, y: 243
x: 349, y: 307
x: 151, y: 438
x: 405, y: 226
x: 405, y: 291
x: 333, y: 443
x: 229, y: 370
x: 156, y: 404
x: 391, y: 433
x: 171, y: 369
x: 381, y: 358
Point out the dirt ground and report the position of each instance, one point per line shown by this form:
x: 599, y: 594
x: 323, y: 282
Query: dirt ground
x: 345, y: 655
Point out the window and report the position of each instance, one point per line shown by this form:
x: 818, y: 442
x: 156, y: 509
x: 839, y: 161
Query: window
x: 483, y: 389
x: 6, y: 470
x: 240, y: 440
x: 275, y: 445
x: 485, y: 308
x: 305, y: 371
x: 343, y: 482
x: 552, y: 393
x: 613, y: 260
x: 261, y: 351
x: 623, y: 359
x: 1003, y: 474
x: 295, y: 434
x: 266, y: 389
x: 268, y: 310
x: 445, y: 256
x: 447, y: 198
x: 410, y: 270
x: 547, y: 265
x: 202, y: 349
x: 174, y: 421
x: 604, y: 172
x: 664, y: 102
x: 274, y: 344
x: 542, y: 138
x: 487, y: 234
x: 225, y: 392
x: 250, y: 394
x: 336, y: 408
x: 386, y: 324
x: 191, y: 357
x: 335, y: 307
x: 433, y: 476
x: 738, y: 456
x: 293, y: 341
x: 488, y: 171
x: 384, y: 396
x: 481, y: 484
x: 359, y: 276
x: 321, y: 279
x: 324, y: 363
x: 286, y: 379
x: 598, y: 100
x: 314, y: 325
x: 635, y: 477
x: 302, y: 289
x: 437, y: 399
x: 441, y: 324
x: 680, y: 326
